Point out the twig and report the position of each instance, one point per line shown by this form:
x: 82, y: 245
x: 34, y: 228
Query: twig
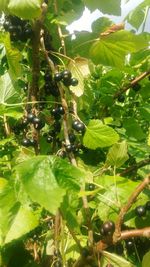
x: 59, y: 30
x: 124, y: 209
x: 6, y: 126
x: 134, y: 167
x: 57, y: 229
x: 33, y: 92
x: 144, y: 232
x: 135, y: 81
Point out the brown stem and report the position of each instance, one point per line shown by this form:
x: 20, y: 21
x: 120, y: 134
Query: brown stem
x: 6, y: 126
x: 57, y: 229
x: 144, y: 232
x: 135, y: 81
x: 124, y: 209
x: 33, y: 93
x: 59, y: 30
x: 134, y: 167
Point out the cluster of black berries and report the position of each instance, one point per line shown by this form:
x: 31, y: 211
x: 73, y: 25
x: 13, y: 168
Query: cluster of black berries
x: 142, y: 209
x: 37, y: 122
x: 50, y: 86
x: 107, y: 228
x: 66, y: 77
x: 19, y: 29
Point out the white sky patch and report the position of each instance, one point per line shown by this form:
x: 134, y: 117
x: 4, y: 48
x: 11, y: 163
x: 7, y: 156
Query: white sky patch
x: 84, y: 23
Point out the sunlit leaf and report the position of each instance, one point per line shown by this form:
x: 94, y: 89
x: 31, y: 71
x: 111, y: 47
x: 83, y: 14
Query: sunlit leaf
x: 99, y: 135
x: 79, y: 69
x: 8, y: 94
x: 26, y: 9
x: 114, y: 259
x: 24, y: 221
x: 111, y: 49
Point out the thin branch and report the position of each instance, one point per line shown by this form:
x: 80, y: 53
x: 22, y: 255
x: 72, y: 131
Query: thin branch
x: 135, y: 81
x: 125, y: 209
x: 144, y: 232
x: 6, y: 126
x: 59, y: 29
x: 57, y: 229
x: 135, y: 167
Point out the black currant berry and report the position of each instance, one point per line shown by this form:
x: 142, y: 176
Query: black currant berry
x: 147, y: 205
x: 74, y: 82
x: 66, y: 75
x: 38, y: 123
x: 72, y: 137
x: 61, y: 110
x: 57, y: 127
x: 30, y: 117
x: 78, y: 126
x: 107, y: 228
x: 55, y: 113
x: 26, y: 142
x: 49, y: 139
x: 129, y: 244
x: 85, y: 252
x: 136, y: 87
x: 47, y: 77
x: 33, y: 142
x: 69, y: 148
x: 91, y: 187
x: 121, y: 98
x: 58, y: 76
x: 140, y: 211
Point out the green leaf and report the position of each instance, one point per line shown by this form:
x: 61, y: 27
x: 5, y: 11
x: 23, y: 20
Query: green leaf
x: 137, y: 15
x: 79, y: 69
x: 99, y: 135
x: 26, y: 9
x: 24, y: 221
x: 133, y: 129
x: 113, y: 194
x: 117, y: 154
x: 114, y: 259
x: 13, y: 56
x: 112, y: 7
x: 101, y: 24
x: 146, y: 259
x: 50, y: 177
x: 112, y: 49
x: 8, y: 93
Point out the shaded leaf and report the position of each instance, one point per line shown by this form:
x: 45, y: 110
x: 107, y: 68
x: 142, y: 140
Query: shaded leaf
x: 106, y: 7
x: 99, y: 135
x: 133, y: 129
x: 117, y: 154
